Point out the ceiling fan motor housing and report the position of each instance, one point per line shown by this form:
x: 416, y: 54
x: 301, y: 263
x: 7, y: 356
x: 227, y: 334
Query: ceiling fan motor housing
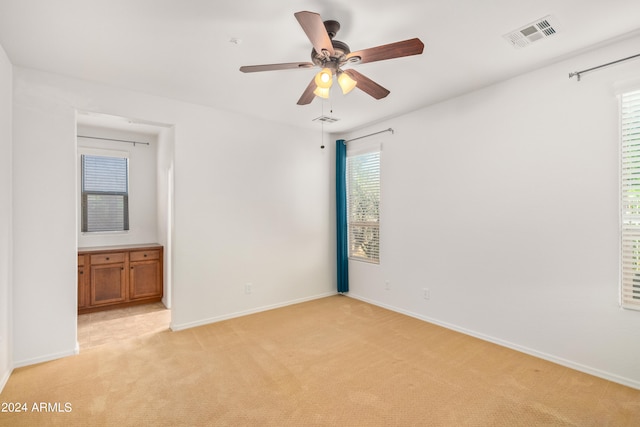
x: 341, y: 49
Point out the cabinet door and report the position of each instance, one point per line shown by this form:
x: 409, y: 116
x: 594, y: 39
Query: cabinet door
x: 108, y: 284
x: 82, y: 298
x: 145, y: 279
x: 83, y: 282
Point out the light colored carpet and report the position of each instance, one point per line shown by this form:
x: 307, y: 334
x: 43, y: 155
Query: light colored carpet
x: 104, y: 327
x: 335, y: 361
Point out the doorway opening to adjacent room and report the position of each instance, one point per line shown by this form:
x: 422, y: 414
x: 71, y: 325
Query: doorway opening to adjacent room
x: 124, y: 227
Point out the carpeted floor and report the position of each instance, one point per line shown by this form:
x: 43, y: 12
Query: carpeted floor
x: 332, y: 362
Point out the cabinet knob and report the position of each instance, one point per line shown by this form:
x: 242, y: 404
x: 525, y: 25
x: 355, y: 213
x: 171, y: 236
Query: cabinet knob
x: 132, y: 268
x: 145, y: 255
x: 107, y: 258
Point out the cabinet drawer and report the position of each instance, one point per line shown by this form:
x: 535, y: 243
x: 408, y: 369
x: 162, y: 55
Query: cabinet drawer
x: 144, y: 255
x: 107, y: 258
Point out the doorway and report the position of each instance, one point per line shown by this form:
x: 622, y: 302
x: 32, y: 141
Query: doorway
x: 120, y: 306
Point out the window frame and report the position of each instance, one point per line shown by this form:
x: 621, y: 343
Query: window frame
x: 359, y: 150
x: 84, y: 195
x: 629, y: 157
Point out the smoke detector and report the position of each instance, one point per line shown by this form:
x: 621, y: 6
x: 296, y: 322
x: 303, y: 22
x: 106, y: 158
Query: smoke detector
x: 533, y: 32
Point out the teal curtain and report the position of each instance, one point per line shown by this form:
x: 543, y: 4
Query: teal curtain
x: 341, y: 216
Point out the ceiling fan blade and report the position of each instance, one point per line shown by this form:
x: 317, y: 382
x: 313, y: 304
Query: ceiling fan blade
x: 389, y: 51
x: 367, y: 85
x: 307, y: 95
x: 272, y: 67
x: 313, y: 27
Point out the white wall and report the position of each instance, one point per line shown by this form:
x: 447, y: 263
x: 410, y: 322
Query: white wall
x: 504, y: 204
x: 5, y: 217
x: 252, y: 204
x: 143, y: 188
x: 44, y: 224
x: 165, y: 207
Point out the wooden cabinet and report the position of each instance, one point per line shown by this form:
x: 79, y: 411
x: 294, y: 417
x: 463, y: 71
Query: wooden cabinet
x: 82, y: 283
x: 145, y: 274
x: 118, y: 276
x: 108, y: 279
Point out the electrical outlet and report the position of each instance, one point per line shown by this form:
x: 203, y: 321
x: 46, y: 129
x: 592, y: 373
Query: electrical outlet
x: 425, y: 293
x: 387, y: 285
x: 247, y: 288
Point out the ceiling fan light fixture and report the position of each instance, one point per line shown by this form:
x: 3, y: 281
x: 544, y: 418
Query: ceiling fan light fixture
x: 324, y: 79
x: 347, y: 84
x: 322, y: 92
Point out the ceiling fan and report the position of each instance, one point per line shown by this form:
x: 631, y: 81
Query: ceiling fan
x: 331, y: 55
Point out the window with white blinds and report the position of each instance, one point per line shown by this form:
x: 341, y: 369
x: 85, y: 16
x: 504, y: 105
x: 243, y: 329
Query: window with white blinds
x: 630, y: 199
x: 105, y: 193
x: 363, y: 202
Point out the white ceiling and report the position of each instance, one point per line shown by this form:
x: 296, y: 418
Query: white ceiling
x: 182, y: 49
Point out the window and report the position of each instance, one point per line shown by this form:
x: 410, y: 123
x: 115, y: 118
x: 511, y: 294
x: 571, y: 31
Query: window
x: 630, y: 199
x: 105, y: 193
x: 363, y: 202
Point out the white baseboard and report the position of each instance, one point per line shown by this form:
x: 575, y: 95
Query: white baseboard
x: 183, y: 326
x: 549, y: 357
x: 41, y: 359
x: 4, y: 379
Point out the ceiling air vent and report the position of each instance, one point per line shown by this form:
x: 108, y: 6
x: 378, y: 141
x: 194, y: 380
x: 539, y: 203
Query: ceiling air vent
x: 538, y: 30
x: 325, y: 119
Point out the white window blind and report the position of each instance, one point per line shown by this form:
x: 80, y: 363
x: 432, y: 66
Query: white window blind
x: 363, y: 202
x: 105, y: 193
x: 630, y: 199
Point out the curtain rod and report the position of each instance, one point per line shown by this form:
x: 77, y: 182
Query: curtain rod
x: 578, y: 73
x: 111, y: 139
x: 371, y: 134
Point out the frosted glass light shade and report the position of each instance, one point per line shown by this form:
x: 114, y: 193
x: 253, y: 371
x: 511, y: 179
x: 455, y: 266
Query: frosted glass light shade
x: 321, y: 92
x: 324, y: 79
x: 346, y: 83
